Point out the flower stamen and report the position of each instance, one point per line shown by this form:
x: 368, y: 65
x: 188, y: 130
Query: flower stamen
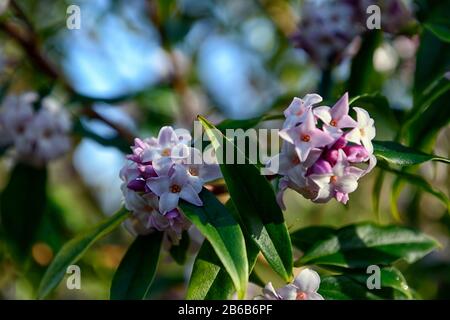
x: 175, y: 188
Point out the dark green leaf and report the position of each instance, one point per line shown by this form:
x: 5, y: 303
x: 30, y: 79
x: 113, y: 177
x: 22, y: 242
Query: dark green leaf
x: 361, y: 245
x: 137, y: 269
x: 378, y: 107
x: 395, y: 153
x: 306, y: 238
x: 73, y: 250
x: 22, y: 205
x: 179, y: 252
x: 224, y: 234
x: 362, y: 69
x: 209, y: 279
x: 354, y: 286
x: 415, y: 180
x: 255, y: 201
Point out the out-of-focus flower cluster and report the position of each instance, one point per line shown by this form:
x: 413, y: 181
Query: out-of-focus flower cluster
x: 328, y: 27
x: 3, y: 5
x: 36, y: 130
x: 159, y: 173
x: 304, y: 287
x: 321, y: 149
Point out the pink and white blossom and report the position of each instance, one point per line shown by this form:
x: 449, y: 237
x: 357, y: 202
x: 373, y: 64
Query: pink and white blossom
x: 304, y: 287
x: 36, y: 136
x: 158, y: 174
x: 321, y: 150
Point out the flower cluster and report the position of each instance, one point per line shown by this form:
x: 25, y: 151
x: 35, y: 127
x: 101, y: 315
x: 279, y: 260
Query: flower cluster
x: 36, y: 129
x: 304, y: 287
x: 321, y: 148
x: 328, y: 27
x: 159, y: 172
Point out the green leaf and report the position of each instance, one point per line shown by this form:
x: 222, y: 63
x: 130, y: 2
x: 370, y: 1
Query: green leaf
x: 224, y: 234
x: 440, y: 30
x: 179, y: 252
x: 354, y: 286
x: 209, y: 279
x: 22, y: 205
x: 415, y: 180
x: 137, y: 269
x: 395, y: 153
x: 306, y: 238
x: 361, y: 245
x: 362, y: 68
x: 73, y: 250
x: 255, y: 202
x: 376, y: 194
x: 378, y: 107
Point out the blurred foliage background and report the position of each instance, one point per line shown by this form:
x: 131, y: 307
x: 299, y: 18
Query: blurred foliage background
x: 137, y: 65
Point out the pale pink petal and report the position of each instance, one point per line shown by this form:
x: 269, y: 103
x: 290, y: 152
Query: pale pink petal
x: 210, y: 172
x: 307, y: 281
x: 309, y: 124
x: 320, y: 138
x: 312, y: 98
x: 188, y: 193
x: 162, y: 166
x: 168, y: 201
x: 341, y: 108
x: 303, y: 148
x: 159, y: 185
x: 166, y: 136
x: 347, y: 122
x: 363, y: 117
x: 354, y: 136
x: 346, y: 184
x: 180, y: 175
x: 289, y: 134
x: 288, y: 292
x: 323, y: 113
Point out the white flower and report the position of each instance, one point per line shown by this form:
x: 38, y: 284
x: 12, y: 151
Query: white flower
x: 37, y: 136
x: 173, y: 184
x: 296, y: 112
x: 304, y: 287
x: 364, y: 131
x: 168, y: 145
x: 306, y: 136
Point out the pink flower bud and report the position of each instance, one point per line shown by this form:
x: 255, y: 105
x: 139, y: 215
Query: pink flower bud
x: 356, y: 153
x: 331, y: 156
x: 137, y: 185
x: 320, y: 167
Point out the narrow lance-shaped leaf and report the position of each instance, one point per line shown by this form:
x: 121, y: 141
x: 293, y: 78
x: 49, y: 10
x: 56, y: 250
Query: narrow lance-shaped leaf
x: 361, y: 245
x: 22, y: 205
x: 209, y: 279
x: 395, y: 153
x: 73, y: 250
x: 216, y: 223
x: 255, y: 202
x: 416, y: 180
x: 137, y: 269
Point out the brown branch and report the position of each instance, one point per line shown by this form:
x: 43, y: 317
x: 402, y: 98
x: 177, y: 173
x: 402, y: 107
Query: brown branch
x: 28, y: 40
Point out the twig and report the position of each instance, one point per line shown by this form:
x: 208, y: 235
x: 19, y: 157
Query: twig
x: 29, y: 43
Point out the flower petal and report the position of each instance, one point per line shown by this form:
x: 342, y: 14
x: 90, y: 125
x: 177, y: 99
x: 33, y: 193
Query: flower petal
x: 159, y: 185
x: 307, y: 281
x: 188, y: 193
x: 168, y: 201
x: 166, y: 136
x: 288, y: 292
x: 341, y: 108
